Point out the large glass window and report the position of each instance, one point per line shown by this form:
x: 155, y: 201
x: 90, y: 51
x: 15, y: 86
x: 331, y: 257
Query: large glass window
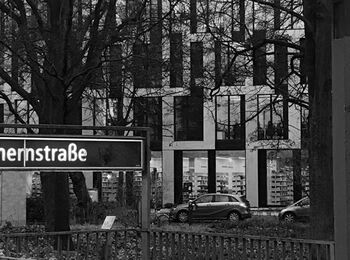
x: 230, y: 68
x: 226, y: 17
x: 195, y: 174
x: 156, y: 165
x: 279, y: 177
x: 228, y: 117
x: 188, y: 118
x: 176, y: 59
x: 271, y: 121
x: 230, y: 172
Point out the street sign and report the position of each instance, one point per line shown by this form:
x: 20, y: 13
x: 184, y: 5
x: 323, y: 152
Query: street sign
x: 85, y: 153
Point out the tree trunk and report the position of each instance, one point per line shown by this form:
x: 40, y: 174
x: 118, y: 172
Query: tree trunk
x: 54, y: 184
x: 73, y: 117
x: 56, y: 200
x: 82, y: 194
x: 318, y: 54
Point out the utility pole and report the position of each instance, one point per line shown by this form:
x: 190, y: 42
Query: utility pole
x: 341, y: 127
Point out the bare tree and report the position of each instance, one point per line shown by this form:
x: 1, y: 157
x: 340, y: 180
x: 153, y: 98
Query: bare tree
x: 52, y: 51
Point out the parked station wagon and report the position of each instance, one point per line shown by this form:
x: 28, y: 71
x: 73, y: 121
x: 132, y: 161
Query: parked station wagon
x: 212, y: 206
x: 299, y: 210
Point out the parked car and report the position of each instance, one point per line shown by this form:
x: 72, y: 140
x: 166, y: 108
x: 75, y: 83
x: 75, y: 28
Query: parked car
x: 299, y: 210
x: 212, y: 206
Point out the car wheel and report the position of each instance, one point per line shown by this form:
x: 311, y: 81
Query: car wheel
x: 182, y: 216
x: 233, y: 217
x: 288, y: 217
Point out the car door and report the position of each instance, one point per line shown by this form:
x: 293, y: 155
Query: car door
x: 304, y: 210
x: 222, y: 206
x: 203, y: 207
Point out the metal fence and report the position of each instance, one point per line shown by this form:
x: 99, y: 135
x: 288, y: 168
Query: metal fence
x: 126, y: 244
x: 189, y: 245
x: 123, y: 244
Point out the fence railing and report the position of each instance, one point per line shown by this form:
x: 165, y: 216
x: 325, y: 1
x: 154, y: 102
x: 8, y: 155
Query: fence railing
x: 91, y: 244
x: 126, y: 244
x: 189, y: 245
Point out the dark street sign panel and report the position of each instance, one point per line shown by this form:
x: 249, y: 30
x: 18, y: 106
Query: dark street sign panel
x: 86, y: 153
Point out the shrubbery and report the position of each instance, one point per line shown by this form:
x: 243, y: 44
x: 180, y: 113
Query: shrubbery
x: 264, y: 226
x: 96, y: 212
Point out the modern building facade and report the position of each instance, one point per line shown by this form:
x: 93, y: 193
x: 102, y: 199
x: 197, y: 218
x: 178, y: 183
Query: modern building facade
x: 228, y: 122
x: 222, y: 84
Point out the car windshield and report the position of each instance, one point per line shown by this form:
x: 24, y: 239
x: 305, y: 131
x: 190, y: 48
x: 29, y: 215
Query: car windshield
x: 302, y: 202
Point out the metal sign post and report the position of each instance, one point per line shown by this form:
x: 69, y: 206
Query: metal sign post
x: 146, y: 196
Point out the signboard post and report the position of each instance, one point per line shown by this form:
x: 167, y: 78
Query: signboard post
x: 107, y: 225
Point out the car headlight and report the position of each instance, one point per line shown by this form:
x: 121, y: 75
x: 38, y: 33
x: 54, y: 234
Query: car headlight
x: 242, y: 204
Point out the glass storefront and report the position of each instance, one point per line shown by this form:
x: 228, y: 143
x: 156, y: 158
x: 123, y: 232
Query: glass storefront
x: 279, y: 177
x: 195, y: 174
x: 230, y: 172
x: 156, y: 179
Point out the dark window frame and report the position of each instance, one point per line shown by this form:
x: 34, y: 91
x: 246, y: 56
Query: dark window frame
x: 146, y: 106
x: 232, y: 143
x: 273, y: 132
x: 176, y: 60
x: 191, y: 115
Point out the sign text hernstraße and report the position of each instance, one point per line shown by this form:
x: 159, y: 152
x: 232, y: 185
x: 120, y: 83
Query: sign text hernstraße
x: 70, y: 153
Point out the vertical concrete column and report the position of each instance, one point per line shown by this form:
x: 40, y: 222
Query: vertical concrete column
x: 341, y: 145
x: 168, y: 176
x: 251, y: 172
x: 13, y: 197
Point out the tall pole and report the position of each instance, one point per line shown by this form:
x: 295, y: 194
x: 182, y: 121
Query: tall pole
x: 341, y: 128
x: 146, y: 197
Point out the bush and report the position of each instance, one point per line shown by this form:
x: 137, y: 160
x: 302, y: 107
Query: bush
x: 124, y: 216
x: 264, y: 226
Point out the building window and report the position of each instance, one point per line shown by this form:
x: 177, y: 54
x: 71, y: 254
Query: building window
x: 287, y: 174
x: 176, y: 56
x: 195, y: 174
x: 188, y: 118
x: 193, y: 16
x: 225, y: 17
x: 259, y: 58
x: 228, y: 118
x: 148, y: 113
x: 230, y: 172
x: 281, y: 69
x: 272, y: 123
x: 229, y: 69
x: 156, y: 165
x: 146, y: 68
x: 115, y: 71
x: 196, y: 60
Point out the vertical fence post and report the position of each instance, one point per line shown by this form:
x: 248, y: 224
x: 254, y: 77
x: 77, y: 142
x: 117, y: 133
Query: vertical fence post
x: 145, y: 207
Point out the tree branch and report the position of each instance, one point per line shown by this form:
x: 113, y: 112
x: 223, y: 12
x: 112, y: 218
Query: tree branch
x: 295, y: 14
